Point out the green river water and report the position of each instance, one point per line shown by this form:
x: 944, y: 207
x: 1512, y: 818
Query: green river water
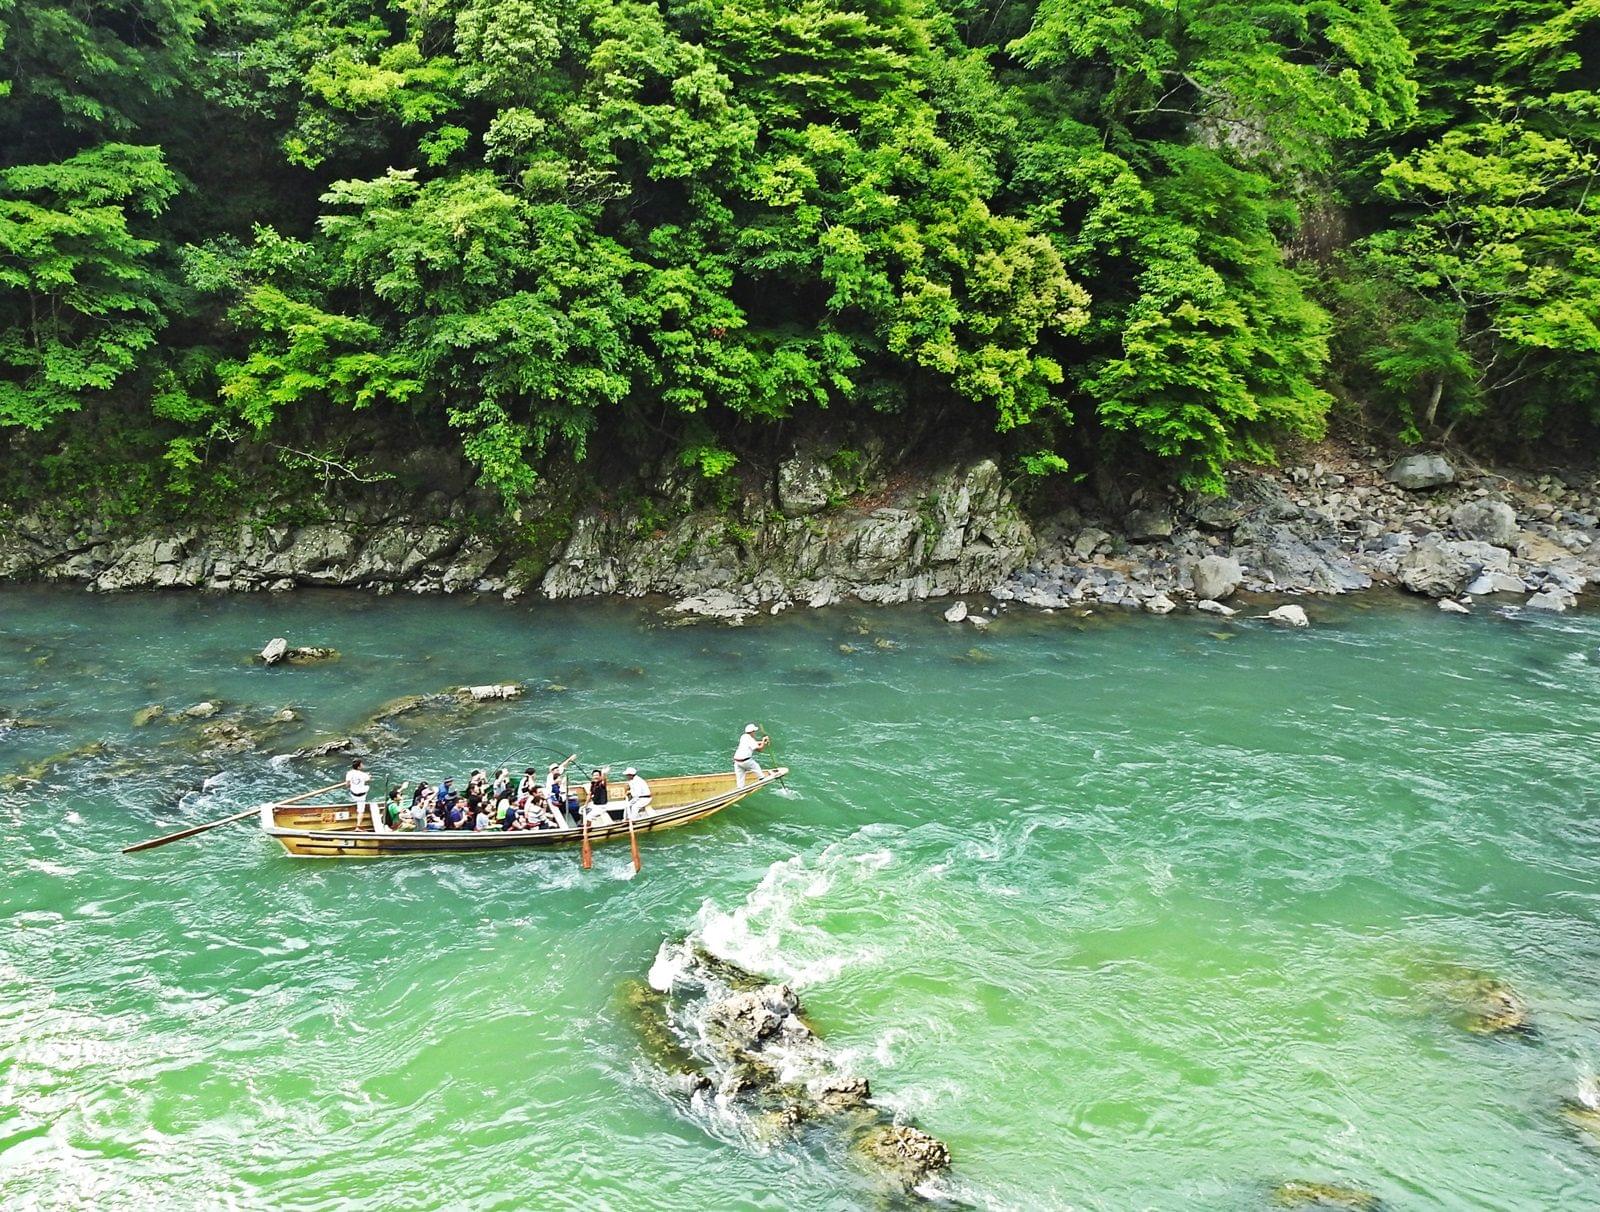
x: 1133, y: 913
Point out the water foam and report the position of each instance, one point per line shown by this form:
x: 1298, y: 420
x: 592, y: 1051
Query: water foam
x: 775, y: 930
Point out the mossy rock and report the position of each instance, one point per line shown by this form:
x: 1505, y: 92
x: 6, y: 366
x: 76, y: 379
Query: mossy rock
x: 1301, y: 1193
x: 37, y: 772
x: 1584, y: 1118
x: 146, y: 714
x: 1485, y: 1004
x: 646, y: 1009
x: 905, y: 1154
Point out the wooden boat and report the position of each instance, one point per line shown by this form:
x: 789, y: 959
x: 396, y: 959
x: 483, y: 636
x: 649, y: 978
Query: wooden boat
x: 326, y: 830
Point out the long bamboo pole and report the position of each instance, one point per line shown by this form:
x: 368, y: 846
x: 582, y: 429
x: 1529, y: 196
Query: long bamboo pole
x: 152, y: 843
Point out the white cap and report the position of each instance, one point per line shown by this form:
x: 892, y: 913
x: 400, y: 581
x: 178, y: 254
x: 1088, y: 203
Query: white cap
x: 751, y: 728
x: 630, y: 772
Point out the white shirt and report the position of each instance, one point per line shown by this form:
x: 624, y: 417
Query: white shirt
x: 638, y: 789
x: 746, y: 748
x: 358, y: 781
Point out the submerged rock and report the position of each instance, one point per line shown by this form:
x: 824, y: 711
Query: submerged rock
x: 37, y: 772
x: 1484, y: 1004
x: 310, y: 655
x: 1301, y: 1193
x: 146, y: 714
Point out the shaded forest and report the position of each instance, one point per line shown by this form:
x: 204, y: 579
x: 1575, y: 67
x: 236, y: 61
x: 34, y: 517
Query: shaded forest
x: 1158, y: 233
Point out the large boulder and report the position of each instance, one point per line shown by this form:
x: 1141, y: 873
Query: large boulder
x: 1148, y: 525
x: 1434, y: 569
x: 1489, y: 521
x: 1288, y: 616
x: 274, y: 651
x: 805, y: 484
x: 1217, y: 577
x: 1552, y: 599
x: 1418, y: 471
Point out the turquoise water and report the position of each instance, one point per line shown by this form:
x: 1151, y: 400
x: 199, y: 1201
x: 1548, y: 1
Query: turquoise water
x: 1135, y: 913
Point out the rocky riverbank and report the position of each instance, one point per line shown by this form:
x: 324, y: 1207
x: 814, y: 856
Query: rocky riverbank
x: 821, y: 529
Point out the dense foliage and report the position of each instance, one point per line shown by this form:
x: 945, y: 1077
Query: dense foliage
x: 676, y: 224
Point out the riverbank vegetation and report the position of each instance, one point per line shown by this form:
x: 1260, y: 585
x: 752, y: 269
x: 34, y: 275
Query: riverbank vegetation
x: 1127, y: 232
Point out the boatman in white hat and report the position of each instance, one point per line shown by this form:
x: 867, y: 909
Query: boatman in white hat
x: 638, y: 793
x: 357, y: 781
x: 751, y: 742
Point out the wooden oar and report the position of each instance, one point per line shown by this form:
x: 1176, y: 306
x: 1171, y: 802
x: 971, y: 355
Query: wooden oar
x: 588, y: 854
x: 183, y: 833
x: 633, y: 839
x: 227, y: 820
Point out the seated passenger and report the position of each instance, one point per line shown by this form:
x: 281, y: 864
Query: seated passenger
x: 455, y: 816
x: 480, y: 820
x: 392, y: 814
x: 446, y: 795
x: 530, y: 781
x: 477, y: 781
x: 501, y: 786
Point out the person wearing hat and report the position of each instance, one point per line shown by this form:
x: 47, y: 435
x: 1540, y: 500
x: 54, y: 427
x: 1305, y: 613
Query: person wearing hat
x: 744, y: 754
x: 638, y: 793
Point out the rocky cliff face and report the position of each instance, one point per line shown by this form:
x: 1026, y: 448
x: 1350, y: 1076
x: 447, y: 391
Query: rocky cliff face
x: 814, y: 534
x: 809, y: 540
x: 953, y: 531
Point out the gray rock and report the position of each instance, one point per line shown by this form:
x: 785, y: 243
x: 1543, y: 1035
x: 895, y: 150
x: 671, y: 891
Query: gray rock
x: 1148, y: 525
x: 1434, y: 569
x: 1217, y: 577
x: 1490, y: 581
x: 488, y: 693
x: 1552, y: 599
x: 1160, y: 603
x: 1089, y: 541
x: 1288, y: 616
x: 1210, y: 607
x: 1450, y: 606
x: 274, y: 651
x: 1418, y: 471
x: 1489, y: 521
x: 1215, y: 513
x: 200, y: 711
x: 805, y: 484
x: 956, y: 613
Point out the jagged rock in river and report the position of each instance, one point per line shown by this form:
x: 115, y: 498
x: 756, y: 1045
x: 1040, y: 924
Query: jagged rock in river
x: 274, y: 651
x: 956, y: 613
x: 37, y: 772
x: 1301, y: 1193
x: 738, y: 1050
x: 1483, y: 1004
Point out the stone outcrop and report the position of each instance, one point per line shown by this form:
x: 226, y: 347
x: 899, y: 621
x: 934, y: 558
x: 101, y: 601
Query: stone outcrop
x: 736, y: 1048
x: 952, y: 531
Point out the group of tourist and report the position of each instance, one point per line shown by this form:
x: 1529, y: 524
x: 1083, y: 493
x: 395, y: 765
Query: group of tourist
x: 501, y: 802
x: 511, y: 805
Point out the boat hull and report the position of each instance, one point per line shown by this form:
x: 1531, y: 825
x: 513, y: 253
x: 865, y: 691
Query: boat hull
x: 331, y: 831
